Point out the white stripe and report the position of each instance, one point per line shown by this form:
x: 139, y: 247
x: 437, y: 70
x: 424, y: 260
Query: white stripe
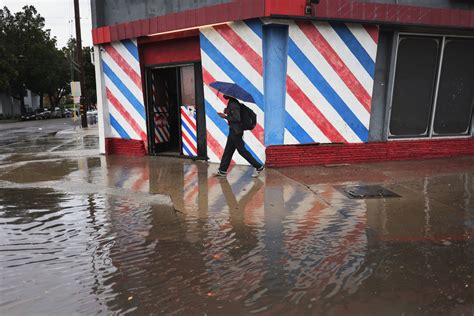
x: 124, y: 52
x: 123, y: 123
x: 322, y: 104
x: 331, y: 76
x: 247, y: 35
x: 235, y: 59
x: 126, y: 80
x: 346, y: 55
x: 364, y: 38
x: 297, y: 113
x: 126, y: 104
x: 289, y: 139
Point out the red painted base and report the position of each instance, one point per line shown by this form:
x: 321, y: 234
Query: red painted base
x: 322, y: 154
x: 125, y: 147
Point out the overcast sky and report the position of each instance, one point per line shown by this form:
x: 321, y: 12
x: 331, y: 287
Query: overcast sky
x: 59, y: 17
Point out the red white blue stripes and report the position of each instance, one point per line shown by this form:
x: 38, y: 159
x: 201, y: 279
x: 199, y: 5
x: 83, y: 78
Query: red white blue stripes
x: 188, y: 131
x: 329, y: 82
x: 232, y: 53
x: 124, y: 93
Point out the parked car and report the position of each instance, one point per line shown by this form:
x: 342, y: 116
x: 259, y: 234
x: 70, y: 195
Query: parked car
x: 67, y: 113
x: 57, y: 113
x: 42, y: 114
x: 30, y: 115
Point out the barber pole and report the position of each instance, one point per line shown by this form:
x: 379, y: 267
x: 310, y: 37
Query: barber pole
x: 188, y: 131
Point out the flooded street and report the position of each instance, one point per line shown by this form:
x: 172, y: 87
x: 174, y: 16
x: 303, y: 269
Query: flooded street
x: 87, y: 234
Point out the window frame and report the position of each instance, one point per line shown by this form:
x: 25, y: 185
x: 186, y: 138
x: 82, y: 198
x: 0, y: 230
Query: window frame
x: 391, y: 85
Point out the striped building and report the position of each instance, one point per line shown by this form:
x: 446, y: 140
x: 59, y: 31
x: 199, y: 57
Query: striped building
x: 373, y: 79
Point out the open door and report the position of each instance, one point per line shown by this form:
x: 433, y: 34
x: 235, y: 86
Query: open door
x: 176, y: 111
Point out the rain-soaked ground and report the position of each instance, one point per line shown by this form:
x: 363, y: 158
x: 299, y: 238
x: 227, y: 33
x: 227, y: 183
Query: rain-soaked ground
x: 87, y: 234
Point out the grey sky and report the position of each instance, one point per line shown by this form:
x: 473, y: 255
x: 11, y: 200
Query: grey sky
x: 59, y: 17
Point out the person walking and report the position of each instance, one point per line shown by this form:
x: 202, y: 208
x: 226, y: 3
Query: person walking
x: 232, y: 114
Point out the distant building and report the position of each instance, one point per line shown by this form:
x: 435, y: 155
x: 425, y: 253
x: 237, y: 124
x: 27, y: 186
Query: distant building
x: 350, y: 73
x: 9, y: 106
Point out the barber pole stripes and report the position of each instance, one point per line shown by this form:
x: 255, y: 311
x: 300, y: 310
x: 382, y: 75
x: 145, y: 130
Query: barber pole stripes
x: 123, y: 88
x: 160, y: 116
x: 188, y: 131
x: 232, y: 53
x: 329, y: 82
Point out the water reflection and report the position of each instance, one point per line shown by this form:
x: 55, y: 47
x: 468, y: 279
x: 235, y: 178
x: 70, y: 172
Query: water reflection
x: 235, y: 246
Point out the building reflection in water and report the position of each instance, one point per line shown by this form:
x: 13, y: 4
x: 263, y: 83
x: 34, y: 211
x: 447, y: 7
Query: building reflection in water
x: 241, y: 245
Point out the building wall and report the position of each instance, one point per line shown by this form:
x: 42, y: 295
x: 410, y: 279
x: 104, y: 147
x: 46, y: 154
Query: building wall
x: 9, y: 106
x: 123, y: 91
x: 233, y: 53
x: 329, y: 82
x: 109, y: 12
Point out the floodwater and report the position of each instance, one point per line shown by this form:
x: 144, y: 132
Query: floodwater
x: 87, y: 234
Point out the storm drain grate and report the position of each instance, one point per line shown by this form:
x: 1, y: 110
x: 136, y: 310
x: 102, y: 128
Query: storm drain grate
x: 368, y: 192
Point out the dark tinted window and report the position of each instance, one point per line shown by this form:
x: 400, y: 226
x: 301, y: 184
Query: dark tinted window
x: 415, y: 76
x: 456, y: 88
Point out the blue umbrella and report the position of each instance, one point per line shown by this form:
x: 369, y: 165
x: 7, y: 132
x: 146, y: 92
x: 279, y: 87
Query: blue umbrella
x: 233, y: 90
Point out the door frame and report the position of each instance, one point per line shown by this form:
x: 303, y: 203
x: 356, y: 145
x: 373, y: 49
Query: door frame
x: 200, y: 107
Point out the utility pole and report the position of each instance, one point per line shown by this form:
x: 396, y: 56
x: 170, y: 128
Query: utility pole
x: 83, y: 106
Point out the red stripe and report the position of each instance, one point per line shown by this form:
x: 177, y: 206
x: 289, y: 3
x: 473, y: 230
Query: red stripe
x: 188, y: 119
x: 214, y: 144
x: 320, y: 43
x: 241, y: 47
x: 373, y: 32
x: 143, y: 179
x: 122, y: 63
x: 258, y: 131
x: 189, y: 143
x: 313, y: 112
x: 119, y: 107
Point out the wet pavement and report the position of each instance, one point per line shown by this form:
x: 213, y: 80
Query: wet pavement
x: 82, y: 233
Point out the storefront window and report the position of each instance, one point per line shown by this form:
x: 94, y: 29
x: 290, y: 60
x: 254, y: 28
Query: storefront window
x: 188, y: 92
x: 433, y: 89
x: 456, y: 88
x: 413, y: 87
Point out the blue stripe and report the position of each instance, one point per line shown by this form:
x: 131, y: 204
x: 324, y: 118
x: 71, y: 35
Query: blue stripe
x: 115, y: 124
x: 256, y: 26
x: 327, y: 91
x: 124, y: 90
x: 211, y: 113
x: 124, y: 175
x: 355, y: 47
x: 296, y: 130
x: 192, y: 133
x: 230, y: 70
x: 132, y: 48
x: 187, y: 150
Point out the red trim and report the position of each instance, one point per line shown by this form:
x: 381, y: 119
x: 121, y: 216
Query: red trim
x: 316, y: 154
x: 124, y: 147
x: 171, y: 51
x: 238, y: 10
x: 393, y: 13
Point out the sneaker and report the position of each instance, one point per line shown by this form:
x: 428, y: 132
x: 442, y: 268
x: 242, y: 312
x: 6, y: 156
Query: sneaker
x: 220, y: 173
x: 258, y: 171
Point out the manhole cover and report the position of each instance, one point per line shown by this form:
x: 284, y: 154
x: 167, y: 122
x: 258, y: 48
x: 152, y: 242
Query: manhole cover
x: 368, y: 192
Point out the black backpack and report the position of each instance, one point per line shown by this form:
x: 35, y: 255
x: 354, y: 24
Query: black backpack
x: 248, y: 118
